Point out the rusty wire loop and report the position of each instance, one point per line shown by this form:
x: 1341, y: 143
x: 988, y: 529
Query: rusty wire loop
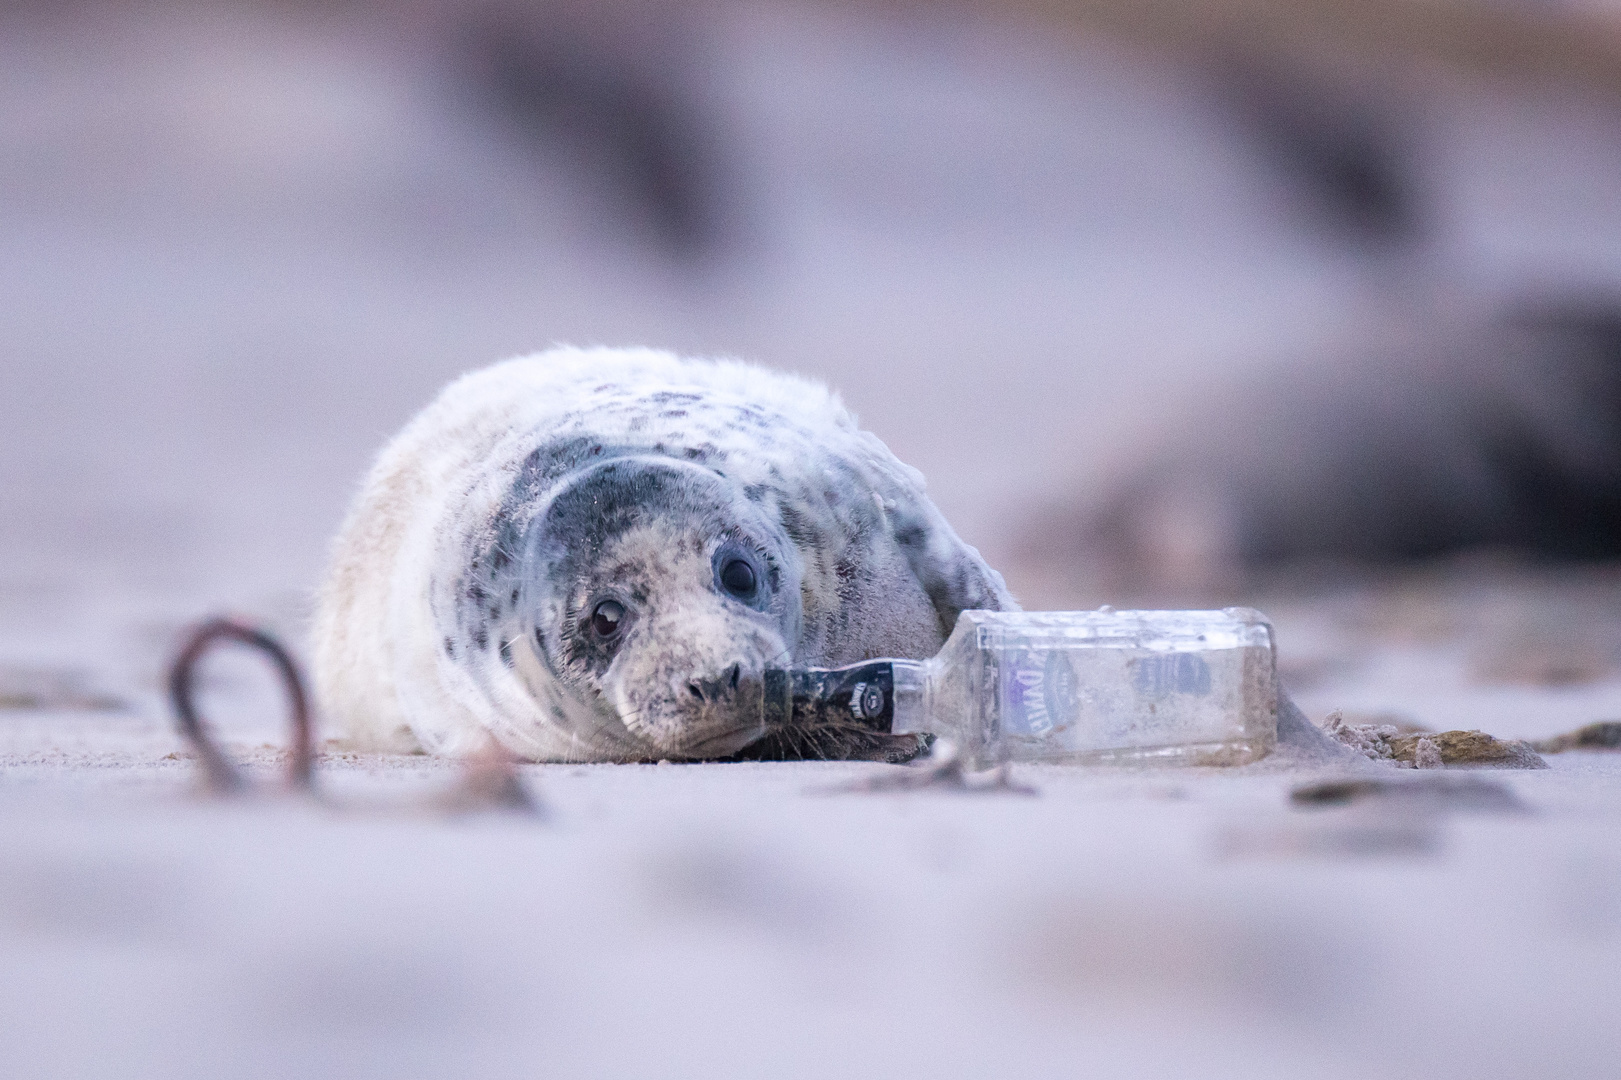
x: 222, y: 776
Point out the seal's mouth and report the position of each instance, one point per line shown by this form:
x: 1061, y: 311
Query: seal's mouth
x: 677, y: 726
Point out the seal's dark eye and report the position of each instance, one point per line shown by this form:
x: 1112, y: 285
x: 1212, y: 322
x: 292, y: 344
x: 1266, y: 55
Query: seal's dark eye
x: 605, y: 620
x: 738, y: 578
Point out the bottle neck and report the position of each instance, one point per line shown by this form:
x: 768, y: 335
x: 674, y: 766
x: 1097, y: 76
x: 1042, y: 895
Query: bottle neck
x: 874, y: 695
x: 911, y: 708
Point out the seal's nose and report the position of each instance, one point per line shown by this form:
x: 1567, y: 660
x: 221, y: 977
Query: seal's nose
x: 713, y: 690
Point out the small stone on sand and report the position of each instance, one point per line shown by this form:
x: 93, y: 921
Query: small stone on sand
x: 1430, y: 750
x: 1465, y: 748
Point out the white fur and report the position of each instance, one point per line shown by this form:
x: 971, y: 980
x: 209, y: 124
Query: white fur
x: 381, y: 673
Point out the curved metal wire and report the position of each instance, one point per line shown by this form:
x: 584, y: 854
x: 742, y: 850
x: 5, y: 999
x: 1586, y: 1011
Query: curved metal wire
x: 223, y: 777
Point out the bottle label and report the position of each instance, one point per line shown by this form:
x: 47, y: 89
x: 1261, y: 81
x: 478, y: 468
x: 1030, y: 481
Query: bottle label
x: 1162, y: 674
x: 1039, y: 693
x: 1043, y: 695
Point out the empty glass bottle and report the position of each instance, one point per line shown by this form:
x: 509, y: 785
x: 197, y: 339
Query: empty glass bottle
x: 1171, y: 687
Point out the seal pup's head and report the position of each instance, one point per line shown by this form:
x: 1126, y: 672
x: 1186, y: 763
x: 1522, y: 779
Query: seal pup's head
x: 655, y: 593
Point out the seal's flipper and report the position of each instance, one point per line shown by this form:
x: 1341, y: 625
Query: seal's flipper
x: 951, y: 572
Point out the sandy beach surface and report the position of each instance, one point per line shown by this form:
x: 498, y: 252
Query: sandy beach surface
x: 762, y: 919
x: 1018, y: 259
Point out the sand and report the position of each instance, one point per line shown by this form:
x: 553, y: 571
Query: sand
x: 739, y: 920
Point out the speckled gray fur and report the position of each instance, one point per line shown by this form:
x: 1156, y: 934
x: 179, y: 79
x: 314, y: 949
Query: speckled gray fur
x: 458, y: 607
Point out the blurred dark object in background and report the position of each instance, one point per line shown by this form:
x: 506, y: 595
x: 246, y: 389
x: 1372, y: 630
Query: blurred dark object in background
x: 1501, y: 435
x: 616, y: 87
x: 1339, y: 140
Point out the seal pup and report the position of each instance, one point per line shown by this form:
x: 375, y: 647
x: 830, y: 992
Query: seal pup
x: 593, y: 555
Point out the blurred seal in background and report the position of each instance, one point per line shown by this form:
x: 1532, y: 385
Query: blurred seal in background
x: 1500, y: 433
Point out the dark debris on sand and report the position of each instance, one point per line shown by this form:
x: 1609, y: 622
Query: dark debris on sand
x: 1438, y: 791
x: 1603, y: 735
x: 942, y: 770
